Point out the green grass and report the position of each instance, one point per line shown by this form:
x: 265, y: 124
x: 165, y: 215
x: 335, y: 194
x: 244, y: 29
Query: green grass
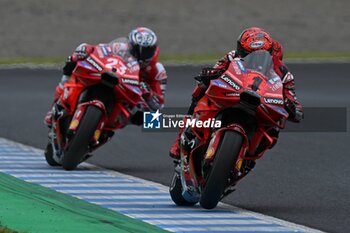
x: 6, y: 230
x: 34, y: 60
x: 195, y: 58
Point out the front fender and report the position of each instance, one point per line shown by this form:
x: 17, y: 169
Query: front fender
x: 80, y: 111
x: 215, y: 142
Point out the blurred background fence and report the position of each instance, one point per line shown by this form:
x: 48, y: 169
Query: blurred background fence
x: 47, y: 28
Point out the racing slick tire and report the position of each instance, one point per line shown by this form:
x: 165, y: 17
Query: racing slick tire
x: 221, y: 168
x: 79, y: 143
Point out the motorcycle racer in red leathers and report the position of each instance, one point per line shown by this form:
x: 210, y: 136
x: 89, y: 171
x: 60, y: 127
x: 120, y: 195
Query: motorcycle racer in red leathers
x: 250, y: 40
x: 142, y: 44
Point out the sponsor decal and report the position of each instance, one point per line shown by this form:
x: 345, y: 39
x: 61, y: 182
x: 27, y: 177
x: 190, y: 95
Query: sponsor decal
x: 275, y: 83
x: 130, y: 81
x: 280, y: 110
x: 257, y: 44
x: 157, y: 120
x: 236, y: 68
x: 210, y: 153
x: 232, y: 94
x: 74, y: 124
x: 65, y: 93
x: 104, y: 50
x: 276, y: 86
x: 260, y: 35
x: 94, y: 64
x: 230, y: 82
x: 84, y: 64
x: 241, y: 66
x: 274, y: 80
x: 239, y: 164
x: 273, y: 101
x: 219, y: 83
x: 97, y: 134
x: 135, y: 89
x: 99, y: 51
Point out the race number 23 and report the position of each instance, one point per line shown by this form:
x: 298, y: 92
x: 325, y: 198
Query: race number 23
x: 114, y: 63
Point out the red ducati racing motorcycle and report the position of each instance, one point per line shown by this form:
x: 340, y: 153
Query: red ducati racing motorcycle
x: 247, y: 99
x: 97, y: 100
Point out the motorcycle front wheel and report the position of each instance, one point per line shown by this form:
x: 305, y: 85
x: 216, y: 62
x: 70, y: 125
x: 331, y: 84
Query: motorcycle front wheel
x: 79, y: 143
x: 220, y: 170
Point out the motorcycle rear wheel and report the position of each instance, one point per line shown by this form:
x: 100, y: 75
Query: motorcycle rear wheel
x: 79, y: 143
x: 219, y: 173
x: 175, y: 190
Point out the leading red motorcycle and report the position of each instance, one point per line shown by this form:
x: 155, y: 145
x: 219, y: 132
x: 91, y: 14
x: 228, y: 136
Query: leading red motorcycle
x: 247, y: 99
x: 99, y: 99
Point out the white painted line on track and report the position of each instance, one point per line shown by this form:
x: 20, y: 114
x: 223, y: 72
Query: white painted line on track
x: 134, y: 197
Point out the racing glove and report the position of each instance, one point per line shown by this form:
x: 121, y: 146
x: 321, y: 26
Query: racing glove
x: 154, y: 103
x: 80, y: 53
x: 295, y: 114
x: 152, y: 100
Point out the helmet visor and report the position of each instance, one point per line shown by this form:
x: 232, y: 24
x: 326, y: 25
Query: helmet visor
x: 147, y: 53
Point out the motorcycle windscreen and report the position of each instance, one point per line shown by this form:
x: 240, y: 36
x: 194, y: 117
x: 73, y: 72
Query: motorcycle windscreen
x: 260, y: 61
x: 121, y: 47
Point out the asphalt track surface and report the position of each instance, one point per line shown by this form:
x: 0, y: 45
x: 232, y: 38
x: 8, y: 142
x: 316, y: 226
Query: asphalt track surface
x: 304, y: 179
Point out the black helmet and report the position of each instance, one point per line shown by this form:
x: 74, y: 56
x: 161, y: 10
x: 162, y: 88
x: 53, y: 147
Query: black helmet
x: 143, y: 43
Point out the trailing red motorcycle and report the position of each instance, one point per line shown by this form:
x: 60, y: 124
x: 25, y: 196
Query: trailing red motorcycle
x: 98, y: 99
x: 247, y: 99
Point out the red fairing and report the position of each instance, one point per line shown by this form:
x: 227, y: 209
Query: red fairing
x: 88, y: 73
x: 152, y: 73
x: 279, y: 67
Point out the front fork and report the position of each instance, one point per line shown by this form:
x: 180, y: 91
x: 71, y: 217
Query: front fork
x: 58, y: 140
x: 55, y: 134
x: 214, y: 145
x: 186, y: 169
x: 189, y: 144
x: 80, y: 112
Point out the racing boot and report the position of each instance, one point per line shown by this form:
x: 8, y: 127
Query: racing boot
x: 48, y: 117
x: 174, y: 151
